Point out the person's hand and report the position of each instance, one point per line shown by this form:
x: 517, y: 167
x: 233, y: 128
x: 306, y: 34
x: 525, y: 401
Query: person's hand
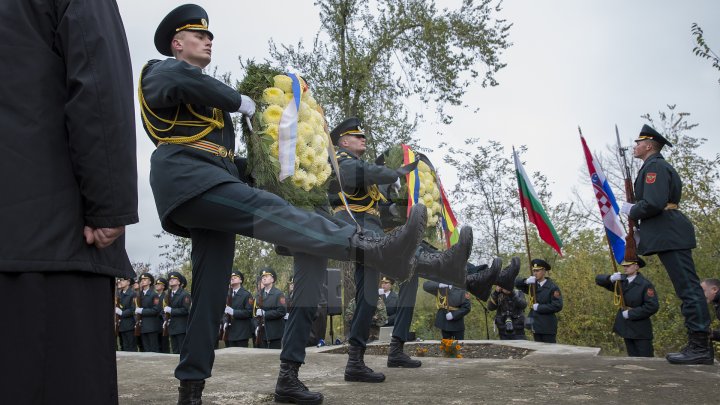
x: 247, y: 106
x: 449, y: 316
x: 168, y: 309
x: 616, y: 276
x: 118, y: 311
x: 102, y: 237
x: 260, y: 312
x: 138, y: 311
x: 626, y: 207
x: 287, y: 315
x: 626, y: 313
x: 381, y: 291
x: 229, y: 310
x: 535, y: 306
x: 530, y: 280
x: 442, y: 285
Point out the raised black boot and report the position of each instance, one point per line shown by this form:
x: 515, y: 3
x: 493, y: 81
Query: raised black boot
x: 448, y: 266
x: 289, y: 389
x: 356, y: 370
x: 395, y: 251
x: 479, y: 284
x: 398, y: 358
x: 190, y: 392
x: 699, y: 350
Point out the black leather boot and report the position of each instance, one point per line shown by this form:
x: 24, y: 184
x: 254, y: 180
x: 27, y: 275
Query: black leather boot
x: 480, y: 284
x: 356, y: 370
x: 395, y: 251
x: 289, y: 389
x: 190, y: 392
x: 398, y: 358
x: 447, y: 266
x: 699, y: 350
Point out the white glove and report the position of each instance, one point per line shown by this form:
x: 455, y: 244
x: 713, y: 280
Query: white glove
x: 118, y: 311
x: 286, y: 316
x: 260, y: 312
x: 138, y: 311
x: 381, y: 291
x: 626, y: 207
x: 167, y: 309
x: 247, y: 106
x: 616, y: 276
x: 535, y: 306
x: 530, y: 280
x: 449, y: 316
x: 626, y: 313
x: 395, y: 187
x: 229, y: 310
x: 441, y: 285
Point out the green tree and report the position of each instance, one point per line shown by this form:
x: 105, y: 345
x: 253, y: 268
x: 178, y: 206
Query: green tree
x: 702, y: 49
x: 371, y: 56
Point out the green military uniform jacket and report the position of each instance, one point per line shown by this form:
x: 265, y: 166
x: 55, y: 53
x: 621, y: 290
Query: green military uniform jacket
x: 151, y: 306
x: 180, y: 304
x: 274, y: 305
x: 360, y: 180
x: 391, y: 306
x: 457, y: 303
x: 179, y: 173
x: 641, y: 301
x: 548, y: 296
x: 127, y: 305
x: 662, y: 227
x: 240, y: 327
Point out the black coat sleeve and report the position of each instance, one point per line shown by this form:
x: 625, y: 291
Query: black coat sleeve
x: 358, y: 173
x: 603, y: 280
x: 649, y: 307
x: 99, y: 110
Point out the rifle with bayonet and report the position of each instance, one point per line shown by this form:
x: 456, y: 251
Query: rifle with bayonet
x: 630, y: 244
x: 227, y: 319
x: 138, y: 317
x: 165, y: 315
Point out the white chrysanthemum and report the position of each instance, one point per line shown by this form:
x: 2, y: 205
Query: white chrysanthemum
x: 428, y: 201
x: 436, y: 207
x: 283, y: 82
x: 436, y: 193
x: 305, y: 132
x: 423, y: 168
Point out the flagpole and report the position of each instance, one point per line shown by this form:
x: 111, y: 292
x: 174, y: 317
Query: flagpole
x: 531, y: 288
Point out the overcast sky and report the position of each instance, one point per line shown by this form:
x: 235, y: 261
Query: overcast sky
x: 588, y: 63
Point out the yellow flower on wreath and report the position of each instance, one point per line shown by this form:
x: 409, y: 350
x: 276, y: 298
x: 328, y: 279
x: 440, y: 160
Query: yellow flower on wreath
x: 272, y: 114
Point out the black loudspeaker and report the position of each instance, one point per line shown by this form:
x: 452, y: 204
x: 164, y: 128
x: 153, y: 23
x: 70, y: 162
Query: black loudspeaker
x: 334, y: 291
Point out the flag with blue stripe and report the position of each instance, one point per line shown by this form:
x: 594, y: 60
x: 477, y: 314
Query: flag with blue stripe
x: 609, y: 209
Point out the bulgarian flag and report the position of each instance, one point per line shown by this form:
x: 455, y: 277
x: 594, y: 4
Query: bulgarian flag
x: 535, y: 212
x: 447, y: 217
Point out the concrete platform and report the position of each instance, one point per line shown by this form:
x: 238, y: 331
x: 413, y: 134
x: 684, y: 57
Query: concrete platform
x: 559, y: 374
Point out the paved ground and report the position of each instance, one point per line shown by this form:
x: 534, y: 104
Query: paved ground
x: 557, y: 374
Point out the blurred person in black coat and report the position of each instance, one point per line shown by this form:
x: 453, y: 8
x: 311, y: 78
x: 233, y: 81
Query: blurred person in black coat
x: 70, y: 188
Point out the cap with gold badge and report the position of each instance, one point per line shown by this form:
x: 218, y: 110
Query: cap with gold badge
x: 649, y: 133
x: 188, y: 17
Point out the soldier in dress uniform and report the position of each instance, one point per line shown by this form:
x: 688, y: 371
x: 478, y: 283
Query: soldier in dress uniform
x: 272, y: 307
x: 360, y: 180
x: 390, y: 299
x: 201, y: 192
x: 711, y: 288
x: 548, y: 301
x: 149, y: 311
x: 240, y: 311
x: 161, y: 286
x: 639, y: 302
x: 126, y: 311
x: 452, y: 306
x: 178, y: 310
x: 664, y: 230
x: 509, y: 303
